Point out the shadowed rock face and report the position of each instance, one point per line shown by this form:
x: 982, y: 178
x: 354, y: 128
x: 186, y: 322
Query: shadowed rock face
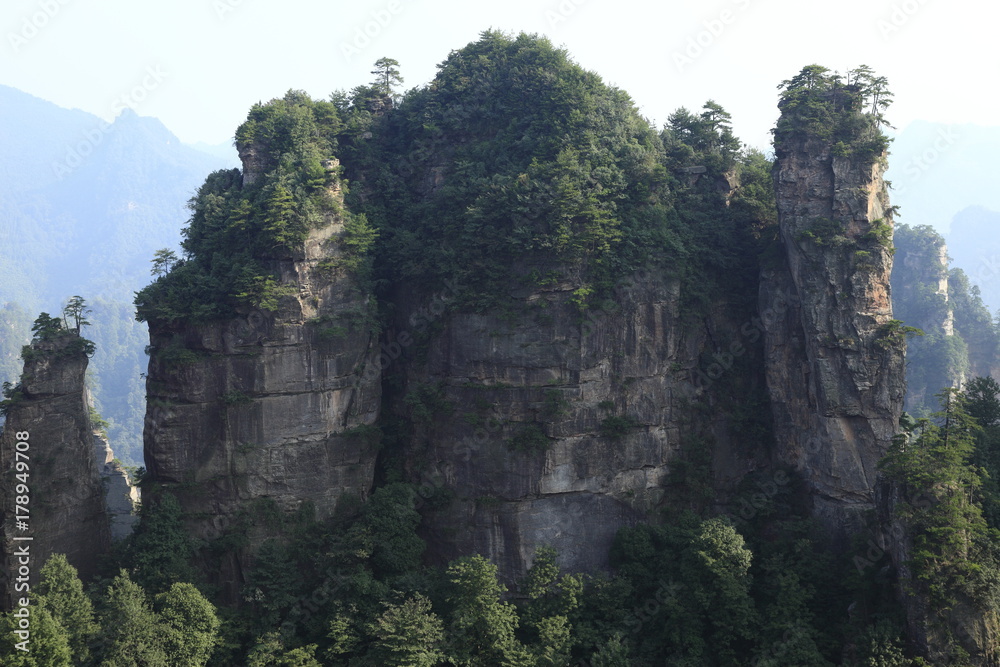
x: 267, y: 405
x: 522, y: 447
x: 554, y: 431
x: 121, y: 498
x: 834, y: 372
x: 66, y: 500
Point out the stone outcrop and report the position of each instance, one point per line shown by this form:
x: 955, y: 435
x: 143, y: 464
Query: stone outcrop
x: 66, y: 511
x: 550, y: 428
x: 920, y: 298
x: 268, y: 405
x: 834, y: 358
x: 121, y: 497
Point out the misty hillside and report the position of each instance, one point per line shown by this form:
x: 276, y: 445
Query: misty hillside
x: 83, y: 205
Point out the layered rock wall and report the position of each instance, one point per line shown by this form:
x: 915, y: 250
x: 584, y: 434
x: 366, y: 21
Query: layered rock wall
x: 269, y: 405
x: 556, y: 428
x: 834, y: 359
x: 120, y: 495
x: 66, y: 508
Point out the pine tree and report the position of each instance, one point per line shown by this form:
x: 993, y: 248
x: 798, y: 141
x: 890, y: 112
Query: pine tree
x: 409, y: 634
x: 940, y: 489
x: 60, y: 591
x: 47, y: 646
x: 132, y: 635
x: 189, y: 624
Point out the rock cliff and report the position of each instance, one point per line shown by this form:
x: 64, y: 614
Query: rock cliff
x: 529, y: 410
x: 552, y: 429
x: 268, y: 405
x: 66, y: 508
x: 121, y: 497
x: 834, y: 355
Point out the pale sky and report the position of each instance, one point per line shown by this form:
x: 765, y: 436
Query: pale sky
x: 198, y: 65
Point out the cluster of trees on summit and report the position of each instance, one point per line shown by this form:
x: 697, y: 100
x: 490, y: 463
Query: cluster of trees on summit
x: 551, y: 175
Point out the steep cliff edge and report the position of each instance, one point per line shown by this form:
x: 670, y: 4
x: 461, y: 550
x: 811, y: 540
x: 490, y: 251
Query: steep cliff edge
x: 66, y: 508
x: 553, y: 285
x: 271, y: 404
x: 121, y: 496
x: 834, y: 353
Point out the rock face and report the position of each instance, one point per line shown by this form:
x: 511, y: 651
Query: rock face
x: 834, y: 359
x: 66, y: 501
x: 552, y: 431
x: 121, y: 497
x: 267, y: 405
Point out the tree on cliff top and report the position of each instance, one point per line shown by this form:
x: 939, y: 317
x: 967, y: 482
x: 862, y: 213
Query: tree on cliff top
x: 388, y: 77
x: 238, y: 223
x: 46, y: 327
x: 76, y: 311
x: 818, y: 103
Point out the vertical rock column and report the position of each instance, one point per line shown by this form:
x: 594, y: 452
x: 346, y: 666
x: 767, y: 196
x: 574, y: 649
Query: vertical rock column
x: 66, y: 511
x: 274, y: 407
x: 834, y: 358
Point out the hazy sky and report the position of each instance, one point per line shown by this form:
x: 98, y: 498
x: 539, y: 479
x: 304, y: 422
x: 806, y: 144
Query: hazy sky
x: 198, y: 65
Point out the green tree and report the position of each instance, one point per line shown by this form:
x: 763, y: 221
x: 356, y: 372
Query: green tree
x: 269, y: 651
x: 60, y: 592
x: 482, y: 626
x: 548, y: 592
x: 279, y: 212
x: 408, y: 634
x: 932, y: 465
x: 982, y: 400
x: 47, y: 646
x: 46, y: 327
x: 131, y: 632
x: 76, y: 310
x: 158, y: 553
x: 387, y: 530
x: 274, y: 582
x: 189, y: 625
x: 387, y: 71
x: 697, y: 572
x: 982, y: 396
x: 613, y: 653
x: 163, y: 261
x: 717, y: 563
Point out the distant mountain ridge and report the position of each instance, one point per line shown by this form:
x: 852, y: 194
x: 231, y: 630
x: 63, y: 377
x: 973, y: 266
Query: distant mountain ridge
x: 83, y: 206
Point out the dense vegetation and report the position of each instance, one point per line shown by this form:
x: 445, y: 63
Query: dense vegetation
x: 818, y: 103
x: 542, y: 166
x: 946, y: 468
x: 52, y: 338
x: 352, y: 590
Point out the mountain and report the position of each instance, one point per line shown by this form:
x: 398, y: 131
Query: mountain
x: 83, y: 206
